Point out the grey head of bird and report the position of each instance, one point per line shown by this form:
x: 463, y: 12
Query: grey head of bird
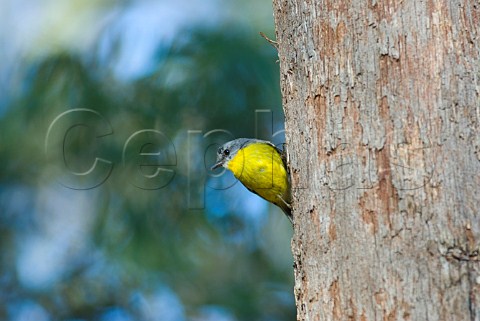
x: 228, y: 150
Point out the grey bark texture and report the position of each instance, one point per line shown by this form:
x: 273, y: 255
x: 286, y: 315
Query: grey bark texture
x: 382, y: 107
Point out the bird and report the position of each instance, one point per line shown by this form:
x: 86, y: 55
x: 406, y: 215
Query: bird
x: 261, y: 167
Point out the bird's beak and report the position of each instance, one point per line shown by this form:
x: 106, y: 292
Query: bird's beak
x: 217, y: 165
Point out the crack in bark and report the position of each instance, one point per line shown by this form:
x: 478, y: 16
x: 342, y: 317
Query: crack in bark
x: 458, y: 254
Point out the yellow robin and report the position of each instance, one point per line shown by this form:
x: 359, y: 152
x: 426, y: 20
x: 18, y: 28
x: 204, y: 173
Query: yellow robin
x: 261, y: 167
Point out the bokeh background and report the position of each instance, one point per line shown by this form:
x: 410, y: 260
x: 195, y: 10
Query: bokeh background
x: 149, y: 89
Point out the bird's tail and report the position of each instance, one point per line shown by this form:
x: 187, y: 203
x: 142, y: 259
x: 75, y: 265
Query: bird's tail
x: 286, y: 208
x: 288, y: 212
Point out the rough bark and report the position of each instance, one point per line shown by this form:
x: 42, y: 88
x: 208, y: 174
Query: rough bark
x: 382, y: 107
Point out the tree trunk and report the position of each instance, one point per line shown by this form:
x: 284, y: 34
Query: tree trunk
x: 382, y: 107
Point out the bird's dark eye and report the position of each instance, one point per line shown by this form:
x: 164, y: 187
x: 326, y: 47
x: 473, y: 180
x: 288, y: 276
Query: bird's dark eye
x: 226, y: 152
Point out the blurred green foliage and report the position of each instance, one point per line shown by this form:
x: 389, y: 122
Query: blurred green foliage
x: 119, y: 252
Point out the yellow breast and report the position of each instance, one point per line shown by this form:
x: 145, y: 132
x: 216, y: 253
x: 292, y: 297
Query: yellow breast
x: 260, y: 168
